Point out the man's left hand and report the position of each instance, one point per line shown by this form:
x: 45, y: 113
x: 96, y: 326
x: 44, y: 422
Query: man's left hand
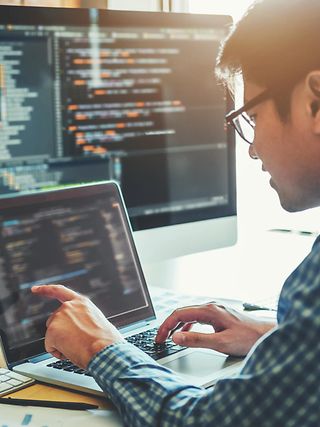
x: 77, y: 330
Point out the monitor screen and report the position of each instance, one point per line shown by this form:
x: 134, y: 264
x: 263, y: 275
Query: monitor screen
x: 89, y: 95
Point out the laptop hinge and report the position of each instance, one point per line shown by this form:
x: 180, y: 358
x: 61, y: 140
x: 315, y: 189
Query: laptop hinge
x: 35, y: 359
x: 40, y: 357
x: 136, y: 325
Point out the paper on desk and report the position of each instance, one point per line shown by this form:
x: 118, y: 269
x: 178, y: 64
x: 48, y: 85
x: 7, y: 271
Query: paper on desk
x: 16, y: 416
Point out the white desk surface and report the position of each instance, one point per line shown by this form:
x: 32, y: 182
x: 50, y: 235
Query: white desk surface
x: 255, y: 268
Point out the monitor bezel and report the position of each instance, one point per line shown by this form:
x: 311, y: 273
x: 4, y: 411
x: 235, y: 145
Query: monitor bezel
x: 81, y: 16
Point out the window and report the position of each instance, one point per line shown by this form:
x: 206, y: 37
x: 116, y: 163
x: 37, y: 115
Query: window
x: 143, y: 5
x: 227, y: 7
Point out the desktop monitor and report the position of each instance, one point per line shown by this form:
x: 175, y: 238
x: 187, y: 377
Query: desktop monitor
x: 89, y: 95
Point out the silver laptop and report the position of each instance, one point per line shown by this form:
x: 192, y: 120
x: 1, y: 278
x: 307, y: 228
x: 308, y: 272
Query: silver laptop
x: 80, y: 237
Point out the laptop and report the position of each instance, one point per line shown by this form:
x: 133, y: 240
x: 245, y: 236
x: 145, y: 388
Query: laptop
x: 80, y: 237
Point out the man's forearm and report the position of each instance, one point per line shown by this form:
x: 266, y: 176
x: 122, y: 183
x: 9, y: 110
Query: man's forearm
x: 139, y: 387
x: 147, y: 394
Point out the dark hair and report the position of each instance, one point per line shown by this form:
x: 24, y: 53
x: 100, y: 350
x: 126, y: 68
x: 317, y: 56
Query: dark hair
x: 275, y: 45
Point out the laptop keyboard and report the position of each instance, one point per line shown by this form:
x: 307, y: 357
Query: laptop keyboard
x: 144, y: 341
x: 11, y: 381
x: 66, y: 365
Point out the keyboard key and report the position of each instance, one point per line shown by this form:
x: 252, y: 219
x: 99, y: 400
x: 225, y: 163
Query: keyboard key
x: 145, y: 342
x: 68, y: 366
x: 5, y: 387
x: 19, y: 377
x: 80, y: 371
x: 11, y: 381
x: 14, y: 382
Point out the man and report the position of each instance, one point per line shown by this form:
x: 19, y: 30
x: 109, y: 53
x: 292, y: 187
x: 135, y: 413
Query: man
x: 275, y: 50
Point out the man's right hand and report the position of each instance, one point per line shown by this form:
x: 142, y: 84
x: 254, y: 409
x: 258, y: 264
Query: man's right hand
x: 77, y: 330
x: 234, y: 333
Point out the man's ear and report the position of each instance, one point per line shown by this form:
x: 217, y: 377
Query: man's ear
x: 313, y: 96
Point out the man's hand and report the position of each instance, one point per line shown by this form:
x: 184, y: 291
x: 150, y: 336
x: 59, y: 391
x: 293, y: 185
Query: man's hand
x: 234, y: 333
x: 77, y: 330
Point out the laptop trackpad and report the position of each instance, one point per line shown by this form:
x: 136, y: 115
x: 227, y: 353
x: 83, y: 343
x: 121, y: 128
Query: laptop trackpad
x: 198, y: 363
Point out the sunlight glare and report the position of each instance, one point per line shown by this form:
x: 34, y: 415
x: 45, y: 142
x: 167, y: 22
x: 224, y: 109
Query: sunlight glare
x: 235, y: 8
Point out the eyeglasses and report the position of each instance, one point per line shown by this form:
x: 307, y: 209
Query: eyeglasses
x: 242, y: 122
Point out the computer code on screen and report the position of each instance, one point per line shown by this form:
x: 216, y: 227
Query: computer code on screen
x: 112, y: 96
x: 82, y: 244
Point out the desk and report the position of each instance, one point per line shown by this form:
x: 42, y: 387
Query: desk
x: 46, y: 392
x: 106, y: 416
x: 255, y: 268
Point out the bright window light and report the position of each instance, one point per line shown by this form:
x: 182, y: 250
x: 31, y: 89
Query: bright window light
x: 258, y: 205
x: 235, y: 8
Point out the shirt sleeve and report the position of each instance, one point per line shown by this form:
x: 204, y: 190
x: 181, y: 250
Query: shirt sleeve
x: 277, y: 385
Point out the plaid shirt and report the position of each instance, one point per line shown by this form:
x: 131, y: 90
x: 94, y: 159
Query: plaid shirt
x: 279, y: 384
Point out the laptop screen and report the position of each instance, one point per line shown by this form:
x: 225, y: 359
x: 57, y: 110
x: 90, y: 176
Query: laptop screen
x: 77, y: 237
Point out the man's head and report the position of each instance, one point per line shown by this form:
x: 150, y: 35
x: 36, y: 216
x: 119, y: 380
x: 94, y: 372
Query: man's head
x: 275, y: 47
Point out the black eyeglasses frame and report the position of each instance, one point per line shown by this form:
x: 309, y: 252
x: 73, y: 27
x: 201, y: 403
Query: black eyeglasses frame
x: 232, y: 115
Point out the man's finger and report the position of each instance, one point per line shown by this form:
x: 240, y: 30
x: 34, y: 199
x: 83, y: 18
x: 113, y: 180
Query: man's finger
x: 52, y: 317
x: 196, y: 339
x: 58, y: 355
x: 203, y: 314
x: 49, y: 347
x: 49, y: 320
x: 187, y: 327
x: 59, y: 292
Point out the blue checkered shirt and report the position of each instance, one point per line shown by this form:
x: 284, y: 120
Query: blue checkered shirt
x: 279, y: 384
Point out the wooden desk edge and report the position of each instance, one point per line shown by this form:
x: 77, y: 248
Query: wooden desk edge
x: 41, y: 391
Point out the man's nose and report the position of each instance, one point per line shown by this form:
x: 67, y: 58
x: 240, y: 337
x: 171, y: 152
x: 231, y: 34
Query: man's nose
x: 252, y: 153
